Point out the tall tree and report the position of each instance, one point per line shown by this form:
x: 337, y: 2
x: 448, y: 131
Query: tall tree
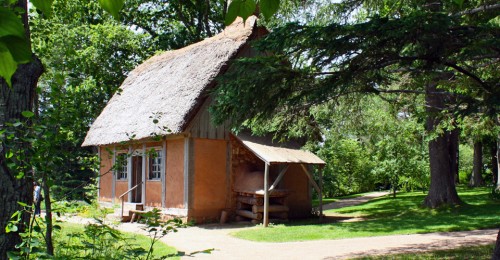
x: 449, y: 56
x: 19, y: 74
x: 476, y: 179
x: 14, y: 100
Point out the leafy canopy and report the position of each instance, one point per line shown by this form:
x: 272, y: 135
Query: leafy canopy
x: 15, y: 47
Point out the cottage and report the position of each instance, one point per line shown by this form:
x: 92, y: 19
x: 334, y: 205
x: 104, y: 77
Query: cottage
x: 157, y: 131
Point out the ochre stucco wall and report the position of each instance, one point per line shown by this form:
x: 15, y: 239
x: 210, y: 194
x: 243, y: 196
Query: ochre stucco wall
x: 296, y: 181
x: 209, y: 195
x: 121, y: 187
x: 153, y: 187
x: 174, y: 177
x: 153, y: 193
x: 105, y: 182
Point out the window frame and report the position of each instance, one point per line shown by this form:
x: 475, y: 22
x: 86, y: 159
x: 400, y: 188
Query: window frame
x: 121, y: 170
x: 155, y: 167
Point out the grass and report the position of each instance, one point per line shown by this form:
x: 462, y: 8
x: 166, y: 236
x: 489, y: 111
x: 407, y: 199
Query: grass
x: 72, y: 234
x: 389, y: 216
x: 469, y: 252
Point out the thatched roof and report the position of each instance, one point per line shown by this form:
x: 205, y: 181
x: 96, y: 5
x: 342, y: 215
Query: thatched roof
x: 273, y: 152
x: 168, y: 89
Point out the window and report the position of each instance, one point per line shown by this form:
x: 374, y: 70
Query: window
x: 121, y: 166
x: 155, y: 165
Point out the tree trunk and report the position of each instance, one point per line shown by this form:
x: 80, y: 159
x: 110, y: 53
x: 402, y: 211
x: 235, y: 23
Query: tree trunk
x: 494, y: 162
x: 496, y: 252
x: 442, y: 155
x: 476, y: 179
x: 48, y: 216
x: 498, y: 162
x: 13, y: 101
x: 454, y: 152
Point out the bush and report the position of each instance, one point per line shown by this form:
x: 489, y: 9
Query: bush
x: 347, y: 168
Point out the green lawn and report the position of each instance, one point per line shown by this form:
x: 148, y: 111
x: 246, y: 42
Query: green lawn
x: 388, y: 216
x: 469, y: 252
x: 70, y: 241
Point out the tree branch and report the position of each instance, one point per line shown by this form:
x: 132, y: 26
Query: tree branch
x: 478, y: 9
x: 469, y: 74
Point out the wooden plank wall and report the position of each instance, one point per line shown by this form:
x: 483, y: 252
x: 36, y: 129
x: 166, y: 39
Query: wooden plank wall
x: 203, y: 127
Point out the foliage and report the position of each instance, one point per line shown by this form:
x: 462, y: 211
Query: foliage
x: 14, y: 45
x: 101, y: 241
x: 73, y: 89
x: 33, y: 240
x: 157, y: 229
x: 173, y: 24
x: 382, y: 144
x: 245, y: 8
x: 348, y: 167
x: 314, y: 64
x: 388, y: 216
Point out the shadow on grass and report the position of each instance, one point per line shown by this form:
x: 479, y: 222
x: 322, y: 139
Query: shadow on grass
x: 389, y: 215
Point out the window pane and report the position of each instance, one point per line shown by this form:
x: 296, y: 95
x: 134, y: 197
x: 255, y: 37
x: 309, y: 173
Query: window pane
x: 155, y: 165
x: 121, y: 166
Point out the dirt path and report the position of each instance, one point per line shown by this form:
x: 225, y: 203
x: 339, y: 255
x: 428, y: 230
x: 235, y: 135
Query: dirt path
x: 228, y: 247
x: 354, y: 201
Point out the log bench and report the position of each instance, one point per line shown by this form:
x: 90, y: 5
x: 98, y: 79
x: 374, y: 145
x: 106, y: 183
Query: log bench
x: 250, y: 205
x: 136, y: 213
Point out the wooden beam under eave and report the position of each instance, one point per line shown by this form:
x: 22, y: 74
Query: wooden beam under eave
x: 278, y: 179
x: 318, y: 188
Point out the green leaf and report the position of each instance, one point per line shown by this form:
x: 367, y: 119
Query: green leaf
x: 20, y: 175
x: 269, y: 7
x: 9, y: 154
x: 22, y: 204
x: 43, y: 5
x: 37, y: 229
x: 242, y: 8
x: 8, y: 65
x: 19, y: 48
x: 10, y: 228
x: 13, y: 255
x: 112, y: 6
x: 27, y: 114
x: 10, y: 23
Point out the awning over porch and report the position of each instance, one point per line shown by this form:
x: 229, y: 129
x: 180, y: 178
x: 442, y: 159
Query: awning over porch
x: 273, y: 153
x: 281, y: 153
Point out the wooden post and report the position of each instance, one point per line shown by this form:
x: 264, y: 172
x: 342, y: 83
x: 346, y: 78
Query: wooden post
x: 163, y: 173
x: 266, y: 195
x: 113, y: 178
x: 321, y: 193
x: 143, y: 174
x: 129, y: 171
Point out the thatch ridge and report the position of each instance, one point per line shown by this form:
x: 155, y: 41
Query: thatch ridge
x: 161, y: 95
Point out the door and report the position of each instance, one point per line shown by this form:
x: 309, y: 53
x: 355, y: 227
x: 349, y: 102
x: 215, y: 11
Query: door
x: 136, y: 178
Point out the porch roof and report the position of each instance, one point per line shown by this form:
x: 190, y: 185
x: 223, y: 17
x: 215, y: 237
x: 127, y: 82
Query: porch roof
x: 275, y: 153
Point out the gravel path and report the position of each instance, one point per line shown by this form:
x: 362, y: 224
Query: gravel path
x: 225, y: 246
